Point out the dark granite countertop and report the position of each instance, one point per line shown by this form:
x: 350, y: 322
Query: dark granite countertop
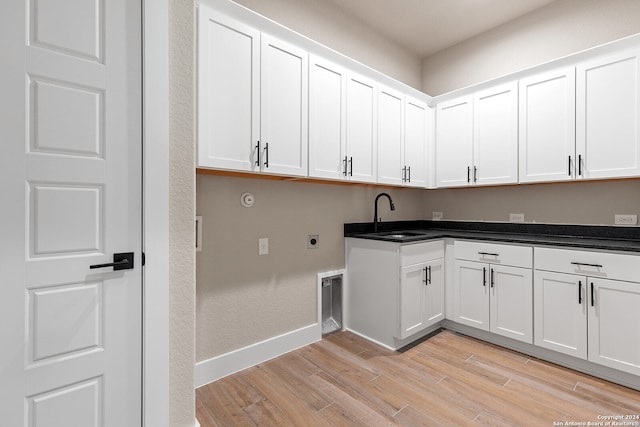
x: 573, y: 236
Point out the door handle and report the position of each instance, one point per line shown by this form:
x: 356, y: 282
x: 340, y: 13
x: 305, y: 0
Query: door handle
x: 266, y: 149
x: 475, y: 174
x: 258, y: 154
x: 580, y: 292
x: 492, y: 278
x: 345, y: 166
x: 484, y: 276
x: 429, y: 274
x: 121, y: 261
x: 569, y: 165
x: 593, y: 300
x: 404, y: 174
x: 580, y: 164
x: 468, y: 174
x: 351, y: 166
x: 426, y: 276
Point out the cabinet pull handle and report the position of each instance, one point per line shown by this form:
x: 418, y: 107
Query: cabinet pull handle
x: 426, y: 276
x: 345, y: 166
x: 351, y: 166
x: 468, y: 174
x: 266, y: 149
x: 587, y: 264
x: 475, y: 174
x: 484, y: 276
x: 580, y: 164
x: 488, y: 253
x: 429, y: 274
x: 593, y: 301
x: 492, y: 278
x: 404, y: 174
x: 569, y: 165
x: 580, y: 292
x: 258, y: 154
x: 409, y: 173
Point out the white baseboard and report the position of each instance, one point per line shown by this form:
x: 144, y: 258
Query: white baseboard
x: 218, y: 367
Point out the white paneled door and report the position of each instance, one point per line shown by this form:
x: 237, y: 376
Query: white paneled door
x: 70, y: 181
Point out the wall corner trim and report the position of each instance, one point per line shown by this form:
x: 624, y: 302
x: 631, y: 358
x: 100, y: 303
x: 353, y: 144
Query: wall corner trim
x: 210, y: 370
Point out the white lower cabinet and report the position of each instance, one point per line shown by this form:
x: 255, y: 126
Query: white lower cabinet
x: 582, y: 311
x: 421, y: 296
x: 491, y: 296
x: 394, y: 291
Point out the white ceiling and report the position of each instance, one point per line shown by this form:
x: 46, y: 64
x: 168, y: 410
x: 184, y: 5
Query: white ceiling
x: 428, y: 26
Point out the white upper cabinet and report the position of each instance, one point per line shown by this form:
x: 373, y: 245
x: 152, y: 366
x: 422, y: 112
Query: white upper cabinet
x: 415, y: 143
x: 228, y: 92
x: 391, y: 169
x: 495, y: 142
x: 362, y: 143
x: 252, y: 103
x: 608, y: 116
x: 327, y: 119
x: 547, y: 127
x: 284, y: 108
x: 454, y: 142
x: 477, y: 138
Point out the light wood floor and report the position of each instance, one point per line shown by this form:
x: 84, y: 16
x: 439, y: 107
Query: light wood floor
x: 447, y: 380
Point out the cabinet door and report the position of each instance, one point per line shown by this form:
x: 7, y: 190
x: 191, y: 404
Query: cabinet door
x: 415, y: 143
x: 413, y: 281
x: 454, y: 142
x: 284, y: 108
x: 228, y: 92
x: 511, y: 302
x: 471, y: 294
x: 608, y: 116
x: 495, y: 142
x: 434, y: 293
x: 390, y: 136
x: 362, y: 147
x: 614, y: 324
x: 327, y: 119
x: 547, y: 127
x: 560, y: 312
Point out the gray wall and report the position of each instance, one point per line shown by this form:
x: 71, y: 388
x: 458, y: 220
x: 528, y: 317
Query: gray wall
x: 181, y: 214
x: 559, y: 29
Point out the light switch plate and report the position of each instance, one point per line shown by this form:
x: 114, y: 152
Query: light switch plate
x: 263, y: 246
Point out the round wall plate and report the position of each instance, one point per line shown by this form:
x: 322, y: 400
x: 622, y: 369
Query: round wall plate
x: 247, y: 200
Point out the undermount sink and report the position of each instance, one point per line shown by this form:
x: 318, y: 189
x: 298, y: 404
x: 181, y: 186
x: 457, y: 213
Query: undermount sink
x: 400, y: 234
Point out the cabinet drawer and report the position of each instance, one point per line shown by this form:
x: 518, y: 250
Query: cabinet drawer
x: 421, y: 252
x: 587, y: 263
x: 493, y: 253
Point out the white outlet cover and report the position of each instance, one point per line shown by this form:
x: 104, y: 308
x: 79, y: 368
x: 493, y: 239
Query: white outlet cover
x: 437, y: 216
x: 516, y: 217
x: 626, y: 219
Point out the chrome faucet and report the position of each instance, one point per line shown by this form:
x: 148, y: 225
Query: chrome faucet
x: 375, y: 210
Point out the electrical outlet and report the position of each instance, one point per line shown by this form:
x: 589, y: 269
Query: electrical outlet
x: 263, y: 246
x: 437, y: 216
x: 626, y: 219
x: 516, y: 217
x: 313, y: 241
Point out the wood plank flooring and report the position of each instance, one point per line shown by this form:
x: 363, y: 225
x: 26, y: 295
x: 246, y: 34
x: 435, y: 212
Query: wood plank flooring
x: 446, y: 380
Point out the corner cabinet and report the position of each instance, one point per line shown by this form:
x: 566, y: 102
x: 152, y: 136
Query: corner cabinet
x: 493, y: 288
x: 394, y: 292
x: 586, y: 305
x: 252, y: 99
